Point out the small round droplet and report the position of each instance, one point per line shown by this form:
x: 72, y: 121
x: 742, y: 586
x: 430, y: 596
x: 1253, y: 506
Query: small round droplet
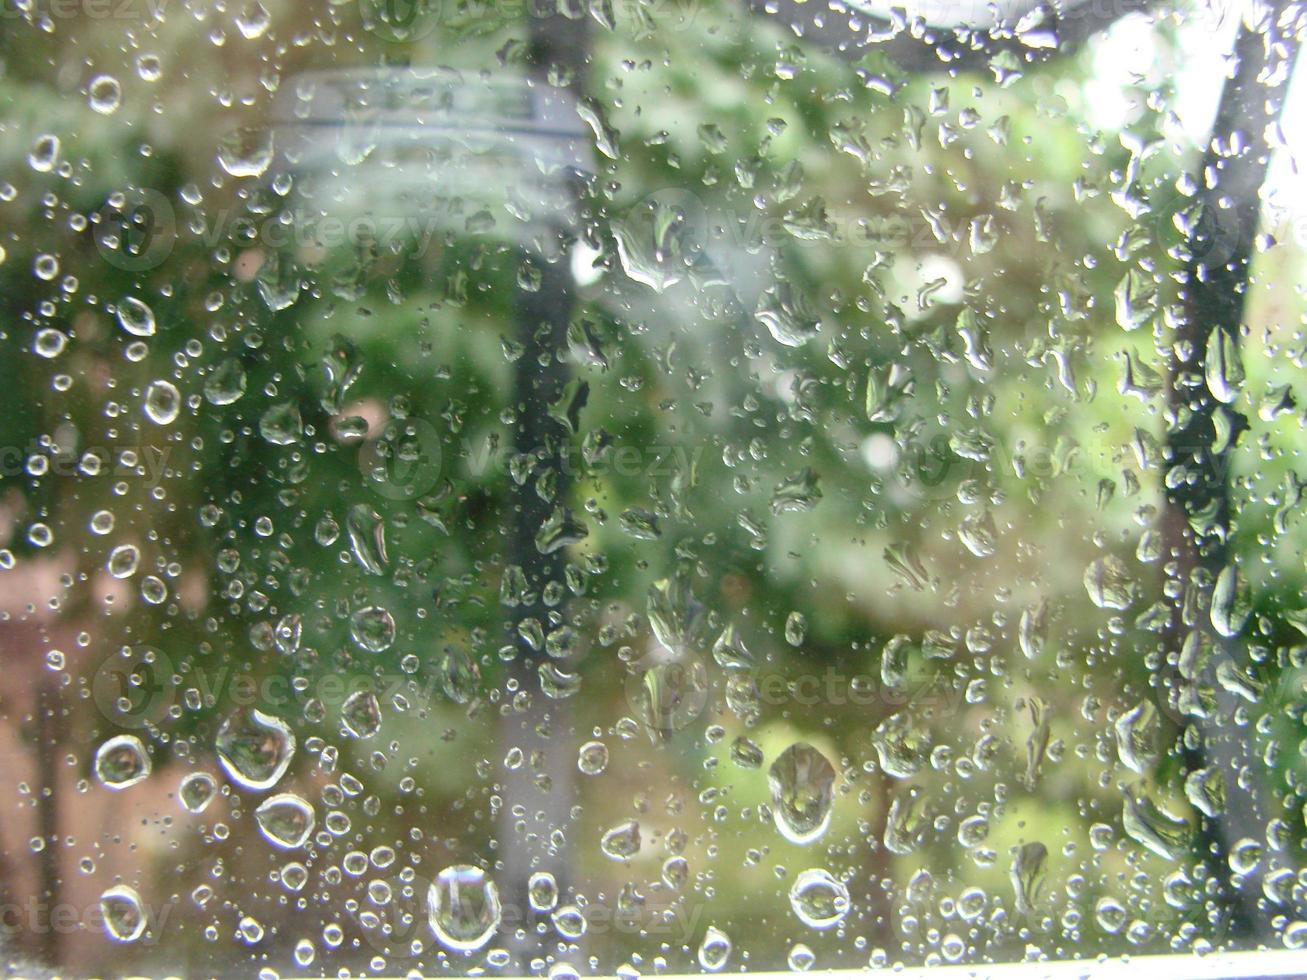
x: 163, y: 402
x: 105, y: 94
x: 121, y: 762
x: 123, y: 913
x: 464, y: 909
x: 135, y: 317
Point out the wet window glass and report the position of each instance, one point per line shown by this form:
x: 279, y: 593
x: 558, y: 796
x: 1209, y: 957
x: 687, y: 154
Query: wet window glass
x: 576, y: 488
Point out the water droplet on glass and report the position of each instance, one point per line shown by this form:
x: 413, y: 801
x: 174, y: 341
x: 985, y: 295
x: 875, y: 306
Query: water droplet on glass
x: 800, y: 958
x: 361, y: 714
x: 902, y: 745
x: 592, y: 758
x: 373, y: 629
x: 542, y: 891
x: 819, y: 899
x: 196, y: 791
x: 1108, y: 582
x: 622, y: 842
x: 247, y: 152
x: 255, y: 748
x: 367, y: 538
x: 44, y: 154
x: 463, y: 908
x: 123, y: 913
x: 163, y: 402
x: 802, y: 785
x: 225, y: 383
x: 121, y: 762
x: 123, y: 561
x: 105, y: 94
x: 286, y: 820
x: 1027, y: 874
x: 136, y: 317
x: 281, y: 424
x: 252, y: 20
x: 715, y: 950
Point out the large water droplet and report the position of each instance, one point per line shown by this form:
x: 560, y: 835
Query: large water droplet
x: 367, y: 538
x: 802, y: 785
x: 1137, y: 733
x: 361, y: 714
x: 902, y: 745
x: 104, y: 94
x: 247, y: 152
x: 464, y: 909
x: 123, y: 913
x: 1027, y: 874
x: 123, y: 561
x: 1231, y: 602
x: 121, y: 762
x: 44, y: 154
x: 372, y: 628
x: 252, y: 20
x: 163, y: 402
x: 255, y: 748
x: 286, y: 820
x: 135, y: 317
x: 1108, y: 582
x: 819, y: 899
x: 715, y: 950
x: 196, y: 791
x: 542, y: 891
x: 225, y: 383
x: 1223, y: 366
x: 622, y: 842
x: 281, y: 424
x: 1164, y: 834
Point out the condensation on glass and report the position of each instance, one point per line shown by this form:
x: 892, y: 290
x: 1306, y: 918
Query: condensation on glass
x: 620, y: 487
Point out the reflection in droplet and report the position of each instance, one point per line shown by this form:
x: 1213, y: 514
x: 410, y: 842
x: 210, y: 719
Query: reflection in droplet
x: 463, y: 908
x: 819, y: 899
x: 802, y: 785
x: 286, y: 820
x: 122, y: 762
x: 255, y: 748
x: 123, y: 913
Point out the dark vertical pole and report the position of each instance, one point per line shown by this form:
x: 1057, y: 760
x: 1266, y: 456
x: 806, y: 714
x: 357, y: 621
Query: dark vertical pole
x: 535, y: 831
x: 1220, y: 247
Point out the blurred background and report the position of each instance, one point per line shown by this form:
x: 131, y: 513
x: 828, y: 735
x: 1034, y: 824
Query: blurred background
x: 634, y: 444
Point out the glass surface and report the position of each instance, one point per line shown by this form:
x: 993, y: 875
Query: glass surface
x: 600, y: 487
